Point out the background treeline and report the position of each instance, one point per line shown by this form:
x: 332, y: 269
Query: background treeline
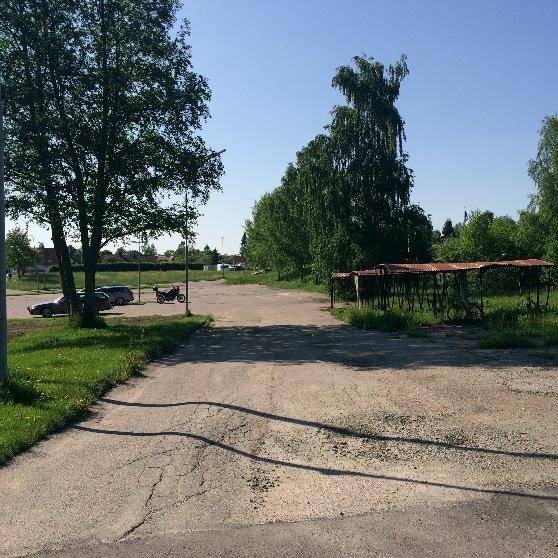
x: 345, y: 202
x: 130, y: 266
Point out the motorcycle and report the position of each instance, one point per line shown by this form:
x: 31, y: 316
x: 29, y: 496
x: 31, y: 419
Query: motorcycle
x: 170, y: 295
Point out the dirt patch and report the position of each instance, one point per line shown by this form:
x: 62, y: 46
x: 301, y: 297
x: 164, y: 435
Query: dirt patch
x: 17, y: 328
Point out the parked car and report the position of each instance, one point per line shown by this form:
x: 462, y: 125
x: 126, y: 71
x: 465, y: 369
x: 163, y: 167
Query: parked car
x: 60, y: 306
x: 118, y: 295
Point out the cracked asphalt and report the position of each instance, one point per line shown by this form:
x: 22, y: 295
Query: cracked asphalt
x: 283, y: 432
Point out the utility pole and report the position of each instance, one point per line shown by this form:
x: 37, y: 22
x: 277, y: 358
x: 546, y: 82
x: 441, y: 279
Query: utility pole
x: 37, y: 269
x: 139, y: 269
x: 186, y: 254
x: 3, y: 316
x: 222, y: 259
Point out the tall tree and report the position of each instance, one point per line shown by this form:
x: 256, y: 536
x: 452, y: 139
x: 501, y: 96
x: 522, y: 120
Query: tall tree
x: 103, y: 114
x: 149, y: 250
x: 243, y: 242
x: 447, y: 230
x: 544, y: 172
x: 345, y: 204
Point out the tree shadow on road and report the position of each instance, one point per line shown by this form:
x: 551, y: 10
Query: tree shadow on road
x: 341, y: 345
x: 338, y: 429
x: 321, y: 470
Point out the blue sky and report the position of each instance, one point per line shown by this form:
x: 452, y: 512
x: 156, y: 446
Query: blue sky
x: 482, y: 77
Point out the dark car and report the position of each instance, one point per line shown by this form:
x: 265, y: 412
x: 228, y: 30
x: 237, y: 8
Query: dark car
x: 59, y: 305
x: 118, y: 295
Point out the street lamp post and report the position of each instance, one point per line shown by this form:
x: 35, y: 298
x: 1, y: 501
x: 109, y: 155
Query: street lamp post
x: 222, y: 259
x: 186, y: 273
x: 37, y: 269
x: 3, y: 317
x: 186, y: 254
x: 139, y: 269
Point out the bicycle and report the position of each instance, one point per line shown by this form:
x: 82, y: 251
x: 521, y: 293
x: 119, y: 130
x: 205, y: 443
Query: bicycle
x: 461, y: 309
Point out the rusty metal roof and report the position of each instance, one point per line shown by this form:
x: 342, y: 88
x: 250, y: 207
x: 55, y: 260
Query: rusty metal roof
x: 341, y: 275
x: 364, y: 272
x: 441, y: 267
x: 460, y: 266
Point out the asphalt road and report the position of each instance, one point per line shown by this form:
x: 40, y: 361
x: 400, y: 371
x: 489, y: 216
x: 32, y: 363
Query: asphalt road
x: 282, y: 432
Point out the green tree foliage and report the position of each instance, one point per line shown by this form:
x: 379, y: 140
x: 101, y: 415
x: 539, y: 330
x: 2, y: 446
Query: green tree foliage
x: 75, y: 255
x: 484, y: 238
x: 544, y: 172
x: 149, y: 250
x: 448, y: 230
x: 345, y: 203
x: 19, y: 253
x: 102, y: 118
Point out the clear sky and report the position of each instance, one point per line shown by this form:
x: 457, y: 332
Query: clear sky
x: 482, y: 77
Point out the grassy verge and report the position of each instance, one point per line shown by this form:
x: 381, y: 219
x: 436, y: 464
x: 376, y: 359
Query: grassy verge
x: 507, y: 323
x: 270, y: 279
x: 57, y: 372
x: 127, y: 278
x: 391, y: 321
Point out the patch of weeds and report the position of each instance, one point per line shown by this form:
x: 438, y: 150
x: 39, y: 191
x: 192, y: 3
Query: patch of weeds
x: 134, y: 363
x: 390, y: 321
x: 417, y: 333
x: 506, y: 340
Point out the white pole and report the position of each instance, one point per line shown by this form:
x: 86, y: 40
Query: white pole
x: 186, y: 272
x: 139, y: 269
x: 3, y: 316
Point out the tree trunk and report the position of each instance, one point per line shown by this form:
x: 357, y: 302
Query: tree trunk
x: 65, y: 269
x: 90, y: 270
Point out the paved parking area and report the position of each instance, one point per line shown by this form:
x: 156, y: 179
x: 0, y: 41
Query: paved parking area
x: 17, y: 303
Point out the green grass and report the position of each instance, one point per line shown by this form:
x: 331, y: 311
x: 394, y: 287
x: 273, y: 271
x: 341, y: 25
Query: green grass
x: 391, y: 321
x: 128, y: 278
x: 270, y: 279
x: 57, y: 372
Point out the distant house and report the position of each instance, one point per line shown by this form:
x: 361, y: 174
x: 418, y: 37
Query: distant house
x: 210, y: 267
x: 116, y: 258
x: 164, y: 259
x: 148, y: 259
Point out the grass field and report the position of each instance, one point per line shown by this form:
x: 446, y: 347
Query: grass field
x: 270, y: 279
x: 51, y: 281
x: 57, y: 372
